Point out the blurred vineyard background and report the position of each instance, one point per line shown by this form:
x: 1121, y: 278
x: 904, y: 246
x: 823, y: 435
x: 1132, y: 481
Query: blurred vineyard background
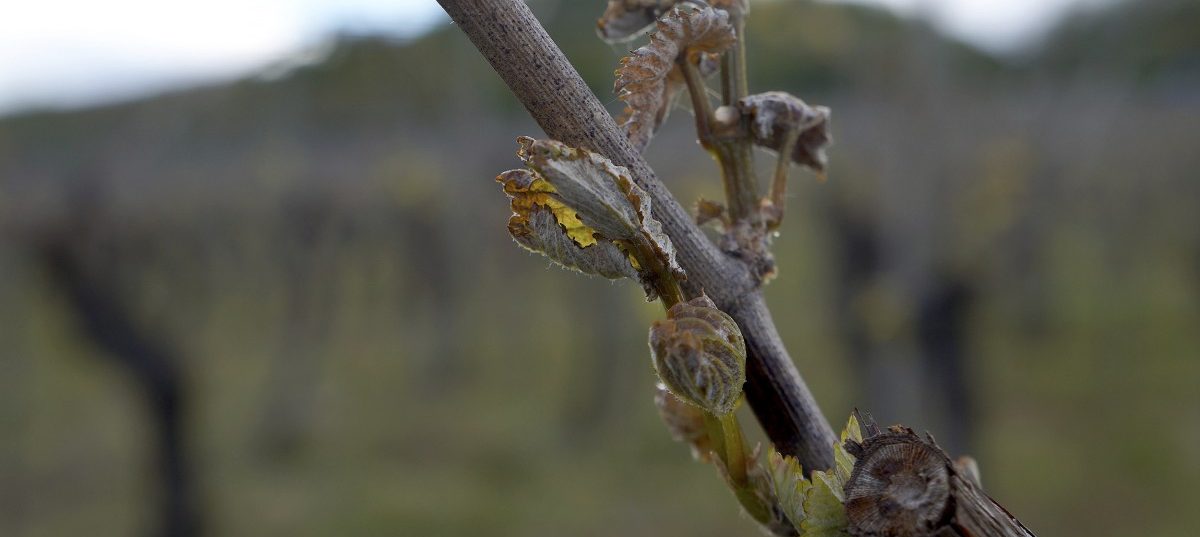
x: 1007, y: 253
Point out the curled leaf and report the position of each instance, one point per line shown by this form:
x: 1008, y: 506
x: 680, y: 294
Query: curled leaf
x: 685, y: 422
x: 626, y: 19
x: 542, y: 224
x: 649, y: 78
x: 528, y: 191
x: 584, y: 212
x: 585, y: 181
x: 603, y: 194
x: 636, y: 118
x: 652, y: 230
x: 773, y: 114
x: 700, y: 355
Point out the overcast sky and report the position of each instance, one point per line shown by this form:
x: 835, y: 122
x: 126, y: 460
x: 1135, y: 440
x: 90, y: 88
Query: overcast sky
x: 67, y: 53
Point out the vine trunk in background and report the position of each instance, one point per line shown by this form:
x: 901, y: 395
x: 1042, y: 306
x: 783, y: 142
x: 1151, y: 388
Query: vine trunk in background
x: 587, y: 200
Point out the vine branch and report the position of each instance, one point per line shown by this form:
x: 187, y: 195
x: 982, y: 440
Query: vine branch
x: 541, y: 77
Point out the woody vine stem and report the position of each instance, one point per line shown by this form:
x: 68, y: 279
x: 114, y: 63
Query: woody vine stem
x: 586, y: 199
x: 541, y: 77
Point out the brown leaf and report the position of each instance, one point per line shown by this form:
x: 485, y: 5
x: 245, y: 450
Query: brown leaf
x: 774, y: 113
x: 626, y: 19
x: 649, y: 78
x: 651, y: 228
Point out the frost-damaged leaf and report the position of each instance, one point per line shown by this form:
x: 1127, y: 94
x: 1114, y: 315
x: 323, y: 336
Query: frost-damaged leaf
x: 649, y: 78
x: 824, y: 514
x: 789, y: 486
x: 774, y: 113
x: 660, y: 99
x: 543, y: 224
x: 586, y: 182
x: 528, y: 190
x: 651, y: 228
x: 626, y: 19
x: 594, y: 203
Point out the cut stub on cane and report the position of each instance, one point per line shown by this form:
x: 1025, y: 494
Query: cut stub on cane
x: 905, y: 485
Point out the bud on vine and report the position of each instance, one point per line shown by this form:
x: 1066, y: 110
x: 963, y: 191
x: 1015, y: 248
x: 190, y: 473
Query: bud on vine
x: 699, y: 354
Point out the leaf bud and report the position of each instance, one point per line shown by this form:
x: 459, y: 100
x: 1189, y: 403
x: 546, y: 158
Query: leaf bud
x: 700, y: 355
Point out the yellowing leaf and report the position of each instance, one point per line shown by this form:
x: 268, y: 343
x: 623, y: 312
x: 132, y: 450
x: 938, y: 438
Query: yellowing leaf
x: 540, y: 232
x: 773, y: 114
x: 584, y: 212
x: 587, y: 182
x: 528, y: 191
x: 648, y: 79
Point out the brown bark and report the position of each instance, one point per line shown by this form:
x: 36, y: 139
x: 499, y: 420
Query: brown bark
x: 537, y: 72
x: 904, y: 485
